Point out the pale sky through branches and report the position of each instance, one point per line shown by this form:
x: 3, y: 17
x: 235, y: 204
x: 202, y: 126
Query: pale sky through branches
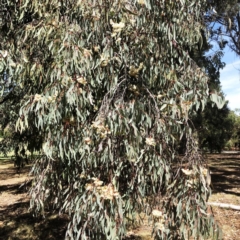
x: 230, y: 78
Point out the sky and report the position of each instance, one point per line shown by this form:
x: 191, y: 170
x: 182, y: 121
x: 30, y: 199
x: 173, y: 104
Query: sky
x: 230, y: 78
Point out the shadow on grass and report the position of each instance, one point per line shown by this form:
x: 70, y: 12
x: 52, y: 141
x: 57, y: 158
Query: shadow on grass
x: 225, y: 172
x: 16, y: 188
x: 18, y: 224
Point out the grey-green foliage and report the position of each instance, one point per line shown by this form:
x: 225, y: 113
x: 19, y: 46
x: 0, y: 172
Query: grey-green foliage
x: 110, y: 86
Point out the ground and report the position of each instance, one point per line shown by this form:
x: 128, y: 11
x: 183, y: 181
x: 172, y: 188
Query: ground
x: 16, y: 223
x: 225, y: 170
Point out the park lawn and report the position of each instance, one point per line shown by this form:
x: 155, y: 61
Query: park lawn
x: 17, y: 223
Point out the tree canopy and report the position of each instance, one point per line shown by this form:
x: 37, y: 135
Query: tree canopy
x: 109, y: 86
x: 224, y: 23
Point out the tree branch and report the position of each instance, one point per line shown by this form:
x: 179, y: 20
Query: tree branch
x: 224, y: 205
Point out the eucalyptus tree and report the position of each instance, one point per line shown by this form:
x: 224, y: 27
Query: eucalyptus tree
x: 111, y: 84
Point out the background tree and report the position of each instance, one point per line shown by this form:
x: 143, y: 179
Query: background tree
x: 224, y: 23
x: 234, y: 142
x: 29, y: 139
x: 213, y: 126
x: 111, y: 85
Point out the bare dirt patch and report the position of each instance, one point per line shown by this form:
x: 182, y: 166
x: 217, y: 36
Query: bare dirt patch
x: 225, y: 171
x: 10, y: 182
x: 16, y: 223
